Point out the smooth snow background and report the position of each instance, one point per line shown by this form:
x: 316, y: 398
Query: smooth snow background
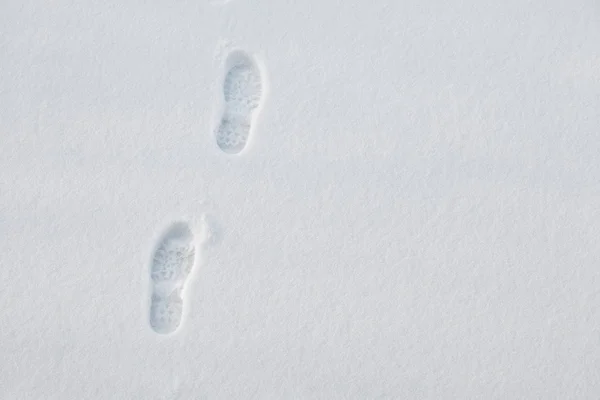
x: 416, y: 215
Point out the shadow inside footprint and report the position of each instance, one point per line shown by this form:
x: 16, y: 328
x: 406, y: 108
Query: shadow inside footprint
x: 242, y: 93
x: 171, y: 265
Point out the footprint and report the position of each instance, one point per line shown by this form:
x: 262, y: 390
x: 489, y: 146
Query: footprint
x: 242, y: 91
x: 172, y: 263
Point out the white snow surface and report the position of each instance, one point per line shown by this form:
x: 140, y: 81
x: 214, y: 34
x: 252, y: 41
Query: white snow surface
x: 415, y: 214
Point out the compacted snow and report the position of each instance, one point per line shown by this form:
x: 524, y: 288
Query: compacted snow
x: 211, y: 199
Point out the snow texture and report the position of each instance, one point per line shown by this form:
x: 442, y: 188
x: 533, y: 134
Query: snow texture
x: 211, y: 199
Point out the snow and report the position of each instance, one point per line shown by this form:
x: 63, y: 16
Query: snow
x: 415, y: 214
